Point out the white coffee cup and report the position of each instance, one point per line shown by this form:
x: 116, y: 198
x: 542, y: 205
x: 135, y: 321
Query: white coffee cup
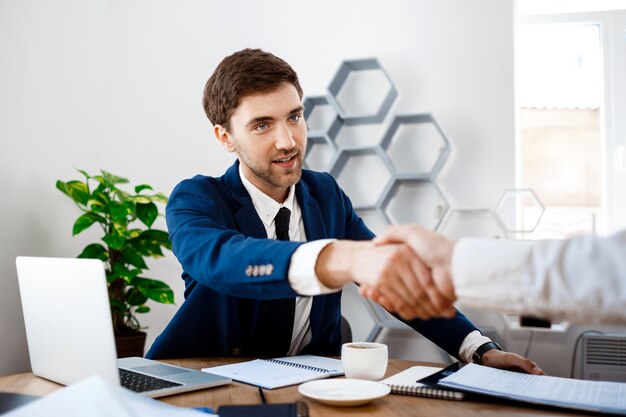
x: 364, y: 360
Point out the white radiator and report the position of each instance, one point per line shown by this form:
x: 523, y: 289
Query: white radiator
x: 604, y: 357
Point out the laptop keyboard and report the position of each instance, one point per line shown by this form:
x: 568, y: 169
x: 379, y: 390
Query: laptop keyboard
x: 141, y: 383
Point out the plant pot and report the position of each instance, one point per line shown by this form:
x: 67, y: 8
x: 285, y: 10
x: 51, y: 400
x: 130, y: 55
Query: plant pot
x: 130, y: 344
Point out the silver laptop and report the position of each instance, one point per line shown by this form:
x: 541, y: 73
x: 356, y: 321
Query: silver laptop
x: 70, y: 332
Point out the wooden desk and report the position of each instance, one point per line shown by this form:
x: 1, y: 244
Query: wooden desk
x: 238, y: 393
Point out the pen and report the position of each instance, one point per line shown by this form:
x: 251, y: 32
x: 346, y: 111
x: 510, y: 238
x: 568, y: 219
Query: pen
x: 262, y: 395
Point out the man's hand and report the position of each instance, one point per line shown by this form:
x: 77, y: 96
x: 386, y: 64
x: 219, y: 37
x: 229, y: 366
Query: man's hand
x: 495, y: 358
x: 402, y: 283
x: 433, y: 249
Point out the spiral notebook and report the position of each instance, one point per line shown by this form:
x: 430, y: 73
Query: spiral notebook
x: 280, y: 372
x: 406, y: 383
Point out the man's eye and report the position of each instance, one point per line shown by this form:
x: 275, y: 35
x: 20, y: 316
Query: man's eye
x: 295, y: 117
x: 262, y: 126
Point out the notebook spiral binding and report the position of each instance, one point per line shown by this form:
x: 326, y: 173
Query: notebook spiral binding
x: 427, y: 392
x: 302, y: 409
x: 298, y: 365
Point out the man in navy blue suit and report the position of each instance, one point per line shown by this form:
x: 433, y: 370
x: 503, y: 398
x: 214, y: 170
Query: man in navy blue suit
x: 267, y: 247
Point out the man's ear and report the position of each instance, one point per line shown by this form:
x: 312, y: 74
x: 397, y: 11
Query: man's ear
x: 223, y: 137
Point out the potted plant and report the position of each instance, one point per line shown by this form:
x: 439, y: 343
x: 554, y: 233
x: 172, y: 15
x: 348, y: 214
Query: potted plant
x: 126, y: 220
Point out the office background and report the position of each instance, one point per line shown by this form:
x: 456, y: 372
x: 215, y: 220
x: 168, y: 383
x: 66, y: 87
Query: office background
x: 117, y: 85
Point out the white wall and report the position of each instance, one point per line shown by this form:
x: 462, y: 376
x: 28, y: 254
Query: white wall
x: 117, y: 85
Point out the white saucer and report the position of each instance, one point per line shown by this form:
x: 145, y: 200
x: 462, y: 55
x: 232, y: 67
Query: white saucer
x: 344, y: 392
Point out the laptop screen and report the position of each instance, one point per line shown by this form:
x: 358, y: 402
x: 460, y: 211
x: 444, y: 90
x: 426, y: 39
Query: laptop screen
x: 67, y: 318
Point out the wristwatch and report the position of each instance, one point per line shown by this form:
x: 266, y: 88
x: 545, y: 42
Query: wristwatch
x: 477, y: 357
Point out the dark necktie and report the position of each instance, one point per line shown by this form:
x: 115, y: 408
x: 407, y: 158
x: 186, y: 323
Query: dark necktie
x: 275, y: 322
x: 282, y: 223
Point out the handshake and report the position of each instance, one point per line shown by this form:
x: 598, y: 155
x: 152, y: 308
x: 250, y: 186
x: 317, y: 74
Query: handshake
x: 423, y: 286
x: 406, y: 270
x: 410, y: 271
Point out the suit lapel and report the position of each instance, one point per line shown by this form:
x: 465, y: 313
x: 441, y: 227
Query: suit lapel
x: 246, y: 216
x: 311, y: 213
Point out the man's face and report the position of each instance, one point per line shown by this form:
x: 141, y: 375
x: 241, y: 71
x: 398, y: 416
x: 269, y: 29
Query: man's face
x: 268, y: 134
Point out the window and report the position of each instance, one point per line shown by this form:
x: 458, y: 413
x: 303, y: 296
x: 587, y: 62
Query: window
x: 570, y: 87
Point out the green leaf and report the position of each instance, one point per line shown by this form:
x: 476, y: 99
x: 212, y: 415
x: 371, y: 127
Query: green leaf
x: 155, y: 290
x: 95, y: 251
x: 159, y: 236
x: 87, y: 176
x: 140, y: 199
x: 135, y: 297
x: 147, y: 247
x: 149, y: 242
x: 121, y: 195
x: 113, y: 179
x: 142, y: 309
x: 142, y: 187
x: 78, y: 191
x: 96, y: 205
x: 133, y: 233
x: 159, y: 197
x: 84, y: 221
x: 130, y: 206
x: 118, y: 211
x: 132, y: 257
x: 63, y: 187
x: 114, y: 240
x: 147, y: 213
x: 111, y: 277
x: 122, y: 272
x: 120, y: 228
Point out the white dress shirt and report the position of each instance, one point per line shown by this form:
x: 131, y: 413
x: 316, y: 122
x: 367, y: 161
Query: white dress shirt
x: 302, y: 277
x: 581, y: 279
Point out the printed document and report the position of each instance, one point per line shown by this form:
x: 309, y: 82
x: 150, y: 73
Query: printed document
x: 599, y: 396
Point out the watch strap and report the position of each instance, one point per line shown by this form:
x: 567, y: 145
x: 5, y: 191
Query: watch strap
x: 482, y: 349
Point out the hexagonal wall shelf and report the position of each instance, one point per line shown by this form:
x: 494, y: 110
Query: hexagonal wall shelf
x: 358, y: 135
x: 519, y: 210
x: 362, y: 92
x: 349, y: 170
x: 416, y: 145
x: 320, y: 152
x: 319, y: 114
x: 471, y: 222
x: 416, y: 200
x: 375, y: 219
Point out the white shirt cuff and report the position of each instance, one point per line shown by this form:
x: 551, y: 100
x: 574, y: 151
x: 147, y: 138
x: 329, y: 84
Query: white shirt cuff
x: 302, y: 277
x: 472, y: 341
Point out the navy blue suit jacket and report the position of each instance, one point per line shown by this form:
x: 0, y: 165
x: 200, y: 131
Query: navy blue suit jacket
x: 217, y: 236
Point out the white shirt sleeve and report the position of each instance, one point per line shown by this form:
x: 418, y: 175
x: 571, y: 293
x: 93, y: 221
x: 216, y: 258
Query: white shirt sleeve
x: 471, y: 342
x: 581, y: 279
x: 302, y: 277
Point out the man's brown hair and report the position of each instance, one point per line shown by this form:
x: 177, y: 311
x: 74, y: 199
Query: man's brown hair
x: 243, y: 73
